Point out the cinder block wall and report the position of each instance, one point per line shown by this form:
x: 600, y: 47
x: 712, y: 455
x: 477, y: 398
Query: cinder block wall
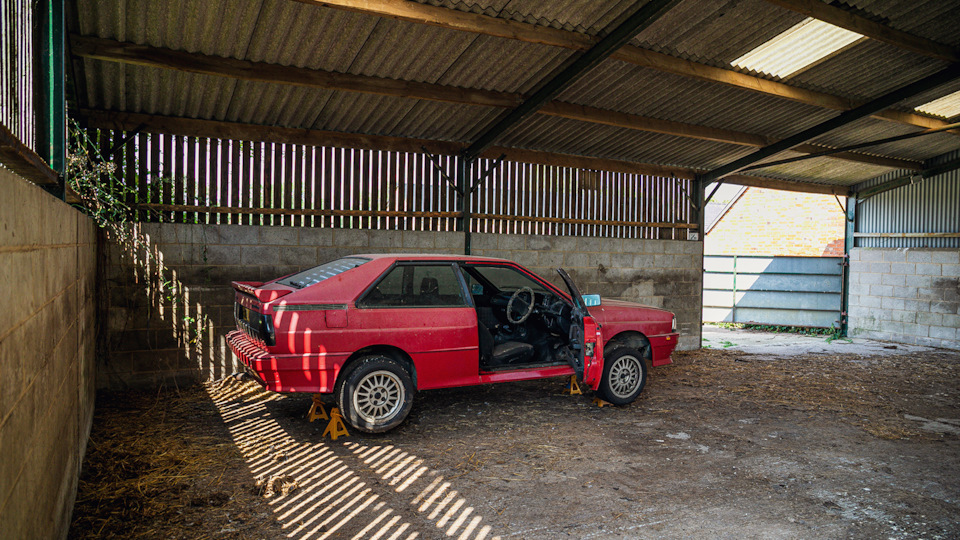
x: 906, y: 295
x: 47, y: 333
x: 170, y: 330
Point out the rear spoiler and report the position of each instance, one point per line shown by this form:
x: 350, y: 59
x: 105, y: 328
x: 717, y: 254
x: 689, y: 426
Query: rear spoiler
x: 256, y: 289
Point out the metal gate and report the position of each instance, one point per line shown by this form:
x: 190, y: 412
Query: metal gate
x: 777, y: 291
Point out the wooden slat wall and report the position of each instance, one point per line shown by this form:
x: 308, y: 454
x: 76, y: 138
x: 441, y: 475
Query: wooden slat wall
x: 200, y: 180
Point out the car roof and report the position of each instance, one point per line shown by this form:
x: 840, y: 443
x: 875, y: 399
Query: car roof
x: 429, y: 257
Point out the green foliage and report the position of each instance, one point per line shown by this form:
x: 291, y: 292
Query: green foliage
x: 104, y: 197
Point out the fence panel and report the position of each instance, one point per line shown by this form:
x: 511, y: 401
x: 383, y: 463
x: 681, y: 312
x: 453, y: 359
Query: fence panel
x: 777, y: 291
x: 189, y: 179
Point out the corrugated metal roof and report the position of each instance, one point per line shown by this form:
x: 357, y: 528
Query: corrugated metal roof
x: 710, y: 32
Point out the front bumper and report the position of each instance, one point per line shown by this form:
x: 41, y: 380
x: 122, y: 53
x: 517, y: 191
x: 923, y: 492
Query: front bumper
x: 311, y: 373
x: 662, y: 346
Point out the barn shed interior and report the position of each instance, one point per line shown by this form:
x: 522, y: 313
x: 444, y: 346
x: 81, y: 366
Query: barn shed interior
x: 154, y: 151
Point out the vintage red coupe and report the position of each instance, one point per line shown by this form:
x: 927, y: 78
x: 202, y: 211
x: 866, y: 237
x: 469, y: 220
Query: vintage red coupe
x: 373, y: 329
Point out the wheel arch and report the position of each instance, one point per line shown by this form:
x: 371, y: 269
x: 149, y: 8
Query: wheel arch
x: 630, y: 338
x: 390, y: 351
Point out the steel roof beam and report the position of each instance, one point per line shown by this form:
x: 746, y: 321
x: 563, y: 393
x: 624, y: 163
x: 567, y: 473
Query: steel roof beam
x: 835, y: 151
x: 948, y: 74
x: 620, y: 36
x: 872, y: 29
x: 530, y: 33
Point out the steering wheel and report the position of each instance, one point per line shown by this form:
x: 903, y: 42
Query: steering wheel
x: 523, y: 316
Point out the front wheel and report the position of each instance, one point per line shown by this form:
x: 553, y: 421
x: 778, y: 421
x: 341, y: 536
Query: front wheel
x: 624, y: 376
x: 376, y: 394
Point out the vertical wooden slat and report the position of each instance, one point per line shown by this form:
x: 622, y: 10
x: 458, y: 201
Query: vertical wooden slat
x: 143, y: 159
x: 313, y: 186
x: 241, y: 179
x: 203, y: 177
x: 329, y: 159
x: 276, y: 182
x: 256, y: 182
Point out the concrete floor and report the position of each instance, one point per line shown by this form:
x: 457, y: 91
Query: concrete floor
x: 774, y: 344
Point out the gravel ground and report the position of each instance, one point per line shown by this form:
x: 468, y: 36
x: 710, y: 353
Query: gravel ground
x: 722, y: 444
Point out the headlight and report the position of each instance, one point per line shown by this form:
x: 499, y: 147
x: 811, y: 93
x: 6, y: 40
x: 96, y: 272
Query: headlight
x: 673, y: 326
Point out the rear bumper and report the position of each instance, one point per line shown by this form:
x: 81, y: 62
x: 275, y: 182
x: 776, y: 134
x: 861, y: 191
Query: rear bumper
x: 311, y: 373
x: 662, y: 346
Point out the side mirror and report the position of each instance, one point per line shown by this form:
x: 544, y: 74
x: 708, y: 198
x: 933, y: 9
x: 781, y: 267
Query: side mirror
x: 591, y: 300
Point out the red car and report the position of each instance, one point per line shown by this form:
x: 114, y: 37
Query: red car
x: 373, y: 329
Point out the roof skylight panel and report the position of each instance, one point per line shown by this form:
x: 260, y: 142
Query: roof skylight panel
x: 797, y: 48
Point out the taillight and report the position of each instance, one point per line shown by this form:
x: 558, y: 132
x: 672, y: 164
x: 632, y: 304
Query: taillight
x: 269, y: 335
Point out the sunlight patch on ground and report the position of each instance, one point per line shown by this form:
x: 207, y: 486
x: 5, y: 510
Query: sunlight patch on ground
x: 316, y: 493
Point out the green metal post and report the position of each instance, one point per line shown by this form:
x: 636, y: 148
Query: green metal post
x: 49, y: 83
x: 848, y: 244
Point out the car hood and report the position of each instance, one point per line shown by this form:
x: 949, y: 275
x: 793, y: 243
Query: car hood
x: 622, y: 310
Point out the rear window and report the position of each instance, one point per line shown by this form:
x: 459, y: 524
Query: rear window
x: 324, y: 271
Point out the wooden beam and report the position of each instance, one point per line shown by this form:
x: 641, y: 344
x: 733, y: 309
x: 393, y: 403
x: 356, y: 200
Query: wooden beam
x: 143, y: 55
x: 786, y: 185
x: 22, y: 160
x: 872, y: 29
x: 654, y: 125
x: 476, y: 23
x: 907, y: 235
x: 492, y: 26
x: 253, y: 132
x: 398, y: 214
x: 250, y: 132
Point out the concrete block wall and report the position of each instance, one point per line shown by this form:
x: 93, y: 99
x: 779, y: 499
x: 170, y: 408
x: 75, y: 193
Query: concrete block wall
x: 906, y: 295
x: 47, y: 348
x: 170, y: 329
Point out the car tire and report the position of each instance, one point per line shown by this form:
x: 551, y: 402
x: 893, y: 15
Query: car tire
x: 375, y: 394
x: 624, y: 376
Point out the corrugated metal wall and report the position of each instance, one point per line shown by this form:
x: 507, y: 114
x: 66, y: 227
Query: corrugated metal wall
x: 779, y: 291
x: 928, y: 206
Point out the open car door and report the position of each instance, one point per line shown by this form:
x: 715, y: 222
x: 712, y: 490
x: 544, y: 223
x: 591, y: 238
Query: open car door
x: 585, y: 338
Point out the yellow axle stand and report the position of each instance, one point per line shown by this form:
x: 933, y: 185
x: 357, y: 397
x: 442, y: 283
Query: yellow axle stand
x: 335, y: 427
x: 573, y: 388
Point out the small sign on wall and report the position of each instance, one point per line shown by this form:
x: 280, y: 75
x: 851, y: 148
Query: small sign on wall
x: 693, y: 235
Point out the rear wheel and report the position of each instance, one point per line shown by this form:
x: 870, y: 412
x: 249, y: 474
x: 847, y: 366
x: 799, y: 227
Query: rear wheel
x: 376, y: 394
x: 624, y: 376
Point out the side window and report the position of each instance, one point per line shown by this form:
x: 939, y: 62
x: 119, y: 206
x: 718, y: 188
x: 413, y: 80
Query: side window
x: 416, y: 286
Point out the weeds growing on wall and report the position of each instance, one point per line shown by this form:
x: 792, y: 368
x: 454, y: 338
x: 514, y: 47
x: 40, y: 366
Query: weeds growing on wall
x: 106, y: 199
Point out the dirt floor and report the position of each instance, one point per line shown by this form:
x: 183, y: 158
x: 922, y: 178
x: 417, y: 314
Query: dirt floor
x: 722, y: 444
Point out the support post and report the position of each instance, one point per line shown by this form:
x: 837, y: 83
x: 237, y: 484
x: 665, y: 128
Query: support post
x: 848, y: 244
x: 465, y: 197
x: 49, y: 94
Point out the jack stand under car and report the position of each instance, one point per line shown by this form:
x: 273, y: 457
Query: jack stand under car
x: 573, y: 387
x: 317, y: 411
x: 336, y: 427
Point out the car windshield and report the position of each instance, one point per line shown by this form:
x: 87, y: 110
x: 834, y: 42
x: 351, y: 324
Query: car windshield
x: 324, y: 271
x: 506, y: 279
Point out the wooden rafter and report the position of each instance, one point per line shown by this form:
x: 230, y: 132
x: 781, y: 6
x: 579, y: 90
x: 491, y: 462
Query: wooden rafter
x: 491, y: 26
x: 144, y: 55
x: 872, y: 29
x: 251, y: 132
x: 22, y: 160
